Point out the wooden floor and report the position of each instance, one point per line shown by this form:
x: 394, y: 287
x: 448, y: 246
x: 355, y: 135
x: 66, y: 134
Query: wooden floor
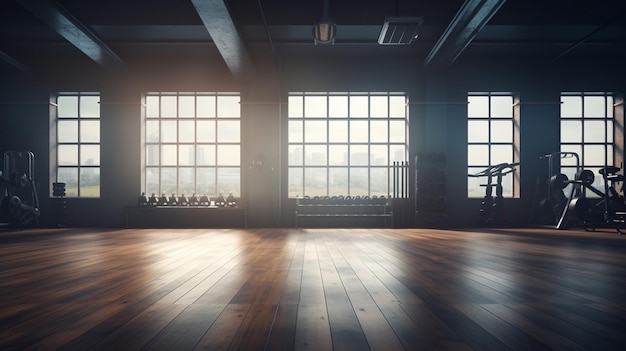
x: 312, y: 289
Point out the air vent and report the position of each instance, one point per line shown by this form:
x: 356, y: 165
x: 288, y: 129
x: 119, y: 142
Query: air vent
x: 400, y: 30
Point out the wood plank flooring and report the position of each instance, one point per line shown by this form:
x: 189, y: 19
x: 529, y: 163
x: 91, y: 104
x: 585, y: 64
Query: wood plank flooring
x: 312, y: 289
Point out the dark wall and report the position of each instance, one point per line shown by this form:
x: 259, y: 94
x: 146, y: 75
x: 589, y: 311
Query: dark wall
x: 437, y: 120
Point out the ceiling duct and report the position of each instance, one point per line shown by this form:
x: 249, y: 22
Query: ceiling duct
x: 400, y: 30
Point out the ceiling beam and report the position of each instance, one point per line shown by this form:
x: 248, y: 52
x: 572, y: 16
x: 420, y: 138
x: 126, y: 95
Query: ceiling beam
x: 12, y: 61
x: 469, y: 20
x: 220, y: 25
x: 70, y: 28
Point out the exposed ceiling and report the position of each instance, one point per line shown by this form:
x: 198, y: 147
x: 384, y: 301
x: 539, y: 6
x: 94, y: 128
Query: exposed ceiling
x: 34, y: 33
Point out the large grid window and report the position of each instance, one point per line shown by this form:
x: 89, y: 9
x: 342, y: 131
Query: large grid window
x: 76, y: 135
x: 587, y: 129
x: 192, y: 144
x: 345, y: 143
x: 492, y: 136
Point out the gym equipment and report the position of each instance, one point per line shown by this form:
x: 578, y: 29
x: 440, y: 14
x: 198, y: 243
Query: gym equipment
x: 609, y: 209
x: 19, y: 204
x: 552, y: 209
x: 491, y: 211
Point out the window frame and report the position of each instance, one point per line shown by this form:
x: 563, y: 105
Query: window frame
x: 215, y: 118
x: 511, y: 182
x: 57, y: 142
x: 347, y: 126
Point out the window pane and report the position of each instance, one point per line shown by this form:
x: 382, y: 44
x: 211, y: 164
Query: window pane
x: 571, y: 106
x: 152, y: 106
x: 295, y: 131
x: 315, y: 181
x: 502, y: 106
x: 89, y: 107
x: 205, y: 155
x: 378, y: 132
x: 473, y: 183
x: 228, y: 155
x: 90, y: 131
x: 228, y: 132
x: 186, y: 181
x: 168, y: 131
x: 397, y: 153
x: 571, y: 161
x: 359, y: 181
x: 152, y: 181
x: 502, y: 131
x: 359, y: 155
x: 501, y: 154
x: 67, y: 106
x: 595, y: 106
x: 295, y: 155
x: 397, y: 106
x: 69, y: 176
x: 609, y: 131
x: 315, y: 106
x: 186, y: 106
x: 397, y: 131
x: 186, y: 132
x: 338, y: 106
x: 338, y: 181
x: 90, y: 155
x: 152, y: 131
x: 359, y: 132
x: 378, y: 155
x: 478, y: 106
x: 205, y: 106
x: 571, y: 131
x: 338, y: 131
x: 90, y: 182
x: 169, y: 181
x: 478, y: 131
x: 205, y: 131
x: 67, y: 131
x: 168, y: 155
x: 228, y: 106
x: 594, y: 131
x: 152, y: 155
x: 67, y: 155
x: 338, y: 155
x: 315, y: 131
x: 478, y: 155
x: 379, y: 106
x: 228, y: 180
x: 295, y: 106
x: 206, y: 182
x: 296, y: 182
x: 359, y: 106
x: 315, y: 155
x: 168, y: 106
x: 594, y: 155
x: 186, y: 155
x: 379, y: 181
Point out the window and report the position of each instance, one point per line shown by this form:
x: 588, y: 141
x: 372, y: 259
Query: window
x: 587, y: 129
x: 76, y: 139
x: 192, y: 144
x: 492, y: 138
x: 345, y: 143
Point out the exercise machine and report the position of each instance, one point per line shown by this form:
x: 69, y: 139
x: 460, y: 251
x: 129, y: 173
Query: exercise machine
x: 19, y: 204
x: 491, y: 211
x: 608, y: 209
x: 551, y: 210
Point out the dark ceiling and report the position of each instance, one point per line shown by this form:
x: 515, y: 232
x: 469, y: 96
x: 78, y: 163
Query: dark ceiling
x: 34, y: 33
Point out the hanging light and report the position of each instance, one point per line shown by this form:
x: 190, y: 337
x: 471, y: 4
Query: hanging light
x: 325, y: 30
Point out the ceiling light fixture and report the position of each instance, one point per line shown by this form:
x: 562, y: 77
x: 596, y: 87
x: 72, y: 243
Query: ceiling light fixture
x: 400, y: 30
x: 325, y: 30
